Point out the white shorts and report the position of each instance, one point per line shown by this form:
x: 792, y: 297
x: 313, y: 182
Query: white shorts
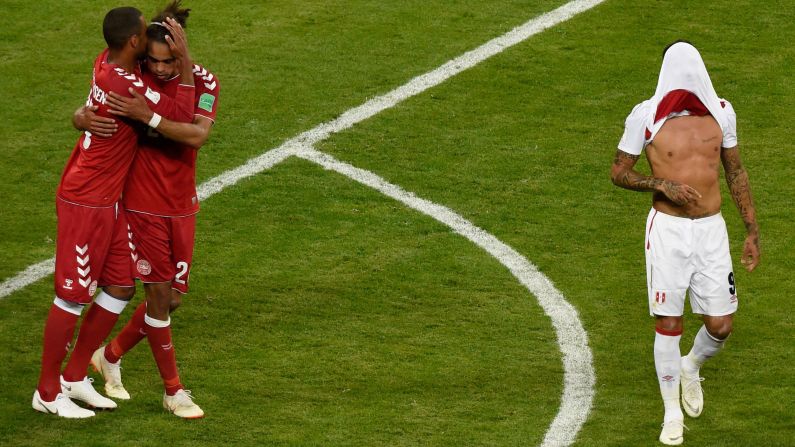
x: 682, y: 254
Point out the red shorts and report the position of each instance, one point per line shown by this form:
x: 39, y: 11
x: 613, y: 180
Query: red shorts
x: 163, y: 248
x: 92, y: 250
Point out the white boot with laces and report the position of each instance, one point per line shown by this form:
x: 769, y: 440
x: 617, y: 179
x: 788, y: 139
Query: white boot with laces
x: 182, y: 405
x: 111, y: 373
x: 84, y: 391
x: 62, y: 406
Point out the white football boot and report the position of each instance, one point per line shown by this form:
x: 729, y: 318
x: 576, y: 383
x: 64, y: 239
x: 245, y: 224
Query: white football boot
x: 692, y: 394
x: 111, y: 373
x: 84, y: 391
x: 182, y: 405
x: 62, y: 406
x: 673, y: 432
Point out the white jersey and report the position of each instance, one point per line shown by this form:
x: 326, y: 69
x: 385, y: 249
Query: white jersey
x: 638, y: 126
x: 682, y: 70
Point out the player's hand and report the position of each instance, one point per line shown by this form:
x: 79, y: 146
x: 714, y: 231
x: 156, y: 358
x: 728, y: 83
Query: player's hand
x: 135, y: 107
x: 98, y: 125
x: 751, y: 252
x: 679, y: 193
x: 177, y: 41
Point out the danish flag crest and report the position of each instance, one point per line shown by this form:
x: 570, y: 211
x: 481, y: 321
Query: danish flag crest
x: 659, y: 297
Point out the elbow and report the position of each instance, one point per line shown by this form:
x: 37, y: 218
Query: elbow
x: 197, y: 141
x: 615, y: 174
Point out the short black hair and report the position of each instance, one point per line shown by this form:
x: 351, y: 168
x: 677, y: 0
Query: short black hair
x: 119, y: 25
x: 156, y: 32
x: 665, y: 50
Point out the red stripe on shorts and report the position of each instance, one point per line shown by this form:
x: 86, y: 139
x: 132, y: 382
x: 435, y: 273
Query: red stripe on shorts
x: 648, y: 236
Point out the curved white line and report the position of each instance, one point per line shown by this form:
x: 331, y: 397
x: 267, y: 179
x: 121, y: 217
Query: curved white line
x: 578, y: 377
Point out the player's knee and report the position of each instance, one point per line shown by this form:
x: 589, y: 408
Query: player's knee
x: 669, y: 324
x: 720, y: 328
x: 176, y: 301
x: 120, y: 293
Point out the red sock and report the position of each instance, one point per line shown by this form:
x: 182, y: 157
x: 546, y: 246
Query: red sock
x: 58, y: 333
x: 132, y: 333
x: 166, y: 359
x: 96, y: 326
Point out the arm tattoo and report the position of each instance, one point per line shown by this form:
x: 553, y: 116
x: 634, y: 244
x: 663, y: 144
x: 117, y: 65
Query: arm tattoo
x: 737, y: 179
x: 626, y: 177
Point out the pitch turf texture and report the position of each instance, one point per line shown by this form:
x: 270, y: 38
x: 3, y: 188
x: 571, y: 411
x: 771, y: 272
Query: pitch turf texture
x: 324, y: 313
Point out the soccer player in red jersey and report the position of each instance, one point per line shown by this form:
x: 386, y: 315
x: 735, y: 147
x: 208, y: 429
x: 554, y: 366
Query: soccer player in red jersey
x: 161, y: 204
x: 92, y: 248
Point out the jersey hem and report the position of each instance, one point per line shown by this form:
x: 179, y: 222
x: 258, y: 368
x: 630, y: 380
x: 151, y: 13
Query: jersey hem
x: 57, y: 196
x: 162, y: 215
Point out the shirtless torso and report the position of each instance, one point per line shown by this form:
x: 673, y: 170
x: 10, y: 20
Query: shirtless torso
x: 687, y: 150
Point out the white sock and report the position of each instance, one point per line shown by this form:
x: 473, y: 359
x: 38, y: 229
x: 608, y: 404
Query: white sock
x: 667, y: 360
x: 110, y: 303
x: 705, y: 346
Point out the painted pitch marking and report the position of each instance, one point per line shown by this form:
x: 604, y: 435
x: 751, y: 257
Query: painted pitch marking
x: 579, y: 377
x: 349, y: 118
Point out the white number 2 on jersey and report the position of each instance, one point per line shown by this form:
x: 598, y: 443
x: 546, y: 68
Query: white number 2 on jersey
x: 182, y: 273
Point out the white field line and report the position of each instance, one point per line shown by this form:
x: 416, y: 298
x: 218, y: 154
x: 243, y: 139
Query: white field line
x: 349, y: 118
x: 579, y: 377
x: 27, y: 277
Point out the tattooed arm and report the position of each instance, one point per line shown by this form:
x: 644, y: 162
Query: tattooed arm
x: 737, y: 179
x: 623, y: 174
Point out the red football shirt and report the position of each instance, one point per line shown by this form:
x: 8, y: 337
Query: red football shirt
x: 95, y: 172
x: 162, y: 180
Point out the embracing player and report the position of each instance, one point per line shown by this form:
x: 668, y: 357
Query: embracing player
x: 92, y: 247
x: 160, y: 203
x: 687, y: 132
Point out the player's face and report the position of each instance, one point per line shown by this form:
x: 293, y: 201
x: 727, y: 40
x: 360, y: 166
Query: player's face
x: 160, y: 61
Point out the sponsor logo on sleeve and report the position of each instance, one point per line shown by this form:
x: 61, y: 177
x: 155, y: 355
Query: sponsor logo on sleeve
x: 206, y: 102
x: 152, y: 95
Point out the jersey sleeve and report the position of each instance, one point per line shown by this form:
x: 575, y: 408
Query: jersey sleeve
x: 730, y: 132
x: 179, y: 108
x: 634, y: 139
x: 207, y: 89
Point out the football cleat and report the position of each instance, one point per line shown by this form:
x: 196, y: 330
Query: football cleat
x: 182, y: 405
x: 111, y: 373
x: 692, y: 394
x: 673, y: 432
x: 83, y: 390
x: 62, y: 406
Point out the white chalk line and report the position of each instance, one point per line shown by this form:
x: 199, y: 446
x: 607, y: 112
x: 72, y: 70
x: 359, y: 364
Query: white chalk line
x: 370, y: 108
x: 579, y: 376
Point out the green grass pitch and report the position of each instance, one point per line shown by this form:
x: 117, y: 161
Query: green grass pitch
x: 324, y: 313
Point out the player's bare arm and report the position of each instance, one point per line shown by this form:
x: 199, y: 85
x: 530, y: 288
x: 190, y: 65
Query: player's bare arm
x: 84, y: 119
x: 178, y: 44
x: 623, y: 174
x: 740, y: 188
x: 193, y: 134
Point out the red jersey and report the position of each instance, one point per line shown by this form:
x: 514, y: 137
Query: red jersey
x: 95, y: 172
x: 162, y: 180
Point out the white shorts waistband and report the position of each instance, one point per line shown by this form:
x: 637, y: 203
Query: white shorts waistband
x: 672, y: 218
